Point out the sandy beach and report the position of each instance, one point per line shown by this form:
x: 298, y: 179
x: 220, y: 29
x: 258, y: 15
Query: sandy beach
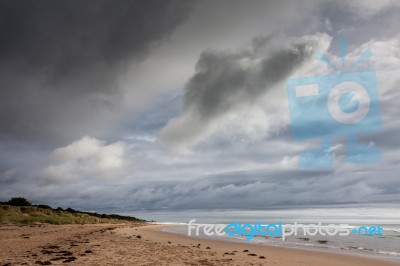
x: 133, y: 244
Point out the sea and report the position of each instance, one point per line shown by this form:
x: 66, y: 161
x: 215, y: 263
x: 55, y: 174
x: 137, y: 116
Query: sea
x: 385, y: 246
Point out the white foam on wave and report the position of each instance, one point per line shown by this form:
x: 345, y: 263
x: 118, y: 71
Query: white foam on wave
x: 391, y: 253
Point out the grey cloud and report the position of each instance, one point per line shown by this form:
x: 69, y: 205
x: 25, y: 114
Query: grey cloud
x: 241, y: 190
x: 227, y: 80
x: 260, y: 190
x: 60, y: 61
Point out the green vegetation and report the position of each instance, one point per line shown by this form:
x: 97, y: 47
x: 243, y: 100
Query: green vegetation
x: 19, y: 210
x: 18, y: 202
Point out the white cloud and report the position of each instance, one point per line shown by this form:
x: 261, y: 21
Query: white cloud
x: 87, y: 158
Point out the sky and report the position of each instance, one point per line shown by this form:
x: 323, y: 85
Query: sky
x: 119, y: 106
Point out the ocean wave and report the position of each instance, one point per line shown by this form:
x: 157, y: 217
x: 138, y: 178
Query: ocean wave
x: 391, y: 253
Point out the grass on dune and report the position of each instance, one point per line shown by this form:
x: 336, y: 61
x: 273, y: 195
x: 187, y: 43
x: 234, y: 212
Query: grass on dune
x: 34, y: 214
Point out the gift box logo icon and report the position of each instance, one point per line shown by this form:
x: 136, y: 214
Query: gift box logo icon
x: 338, y: 104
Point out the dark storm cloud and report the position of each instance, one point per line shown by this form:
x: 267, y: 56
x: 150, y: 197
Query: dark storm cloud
x: 225, y: 80
x: 60, y: 60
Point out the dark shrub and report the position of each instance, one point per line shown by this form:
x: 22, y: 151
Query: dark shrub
x: 71, y: 210
x: 18, y: 202
x: 44, y: 206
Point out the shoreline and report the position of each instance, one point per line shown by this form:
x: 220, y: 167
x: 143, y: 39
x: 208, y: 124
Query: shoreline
x: 146, y: 244
x: 330, y: 249
x: 338, y: 256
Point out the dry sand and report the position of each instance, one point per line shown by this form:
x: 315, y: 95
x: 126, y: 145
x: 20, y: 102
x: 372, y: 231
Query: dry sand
x: 129, y: 244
